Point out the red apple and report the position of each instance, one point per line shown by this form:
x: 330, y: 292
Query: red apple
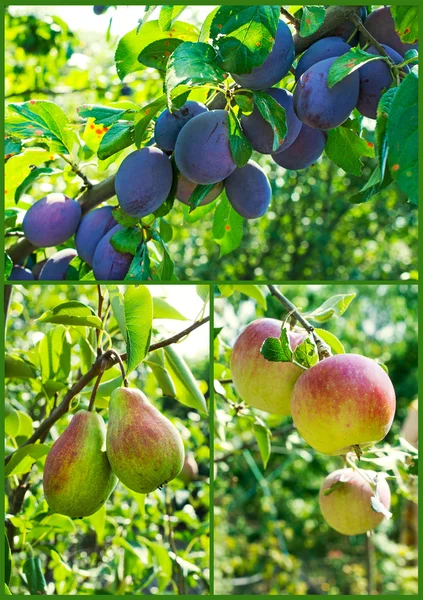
x: 260, y: 383
x: 343, y: 401
x: 347, y: 508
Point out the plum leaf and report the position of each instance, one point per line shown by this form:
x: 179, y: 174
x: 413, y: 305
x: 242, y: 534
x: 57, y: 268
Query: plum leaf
x: 312, y: 18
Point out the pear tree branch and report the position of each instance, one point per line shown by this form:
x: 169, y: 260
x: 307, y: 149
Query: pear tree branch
x: 104, y: 362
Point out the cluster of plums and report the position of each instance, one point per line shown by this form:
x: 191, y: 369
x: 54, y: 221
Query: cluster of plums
x: 343, y: 403
x: 144, y: 450
x: 198, y: 139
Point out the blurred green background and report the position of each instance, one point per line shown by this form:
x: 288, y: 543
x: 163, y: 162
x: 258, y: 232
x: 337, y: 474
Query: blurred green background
x: 66, y: 54
x: 270, y: 535
x: 124, y: 548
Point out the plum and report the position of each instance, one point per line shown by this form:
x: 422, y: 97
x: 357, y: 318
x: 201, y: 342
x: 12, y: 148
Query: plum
x: 143, y: 181
x: 375, y: 76
x: 91, y: 230
x: 185, y: 188
x: 382, y: 27
x: 169, y: 124
x: 19, y: 273
x: 259, y: 132
x: 322, y: 107
x: 52, y: 220
x: 108, y: 263
x: 305, y: 150
x: 325, y: 48
x: 202, y: 151
x: 248, y: 190
x: 275, y: 66
x: 57, y: 265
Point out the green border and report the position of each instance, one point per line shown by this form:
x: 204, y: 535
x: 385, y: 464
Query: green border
x: 211, y: 283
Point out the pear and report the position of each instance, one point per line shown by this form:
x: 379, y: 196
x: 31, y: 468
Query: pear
x: 190, y: 469
x: 145, y: 449
x: 77, y: 475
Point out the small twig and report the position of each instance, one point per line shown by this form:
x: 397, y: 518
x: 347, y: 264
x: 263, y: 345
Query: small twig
x: 223, y: 381
x: 178, y: 336
x: 122, y: 367
x: 290, y: 18
x: 355, y: 19
x: 94, y: 392
x: 77, y: 171
x: 371, y: 563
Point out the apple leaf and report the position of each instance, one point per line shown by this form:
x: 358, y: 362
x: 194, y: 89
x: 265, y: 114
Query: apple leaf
x: 332, y: 307
x: 306, y: 353
x: 262, y: 434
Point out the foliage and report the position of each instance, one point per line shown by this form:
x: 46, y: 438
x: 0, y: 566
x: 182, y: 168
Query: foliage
x: 136, y: 543
x: 270, y: 535
x: 96, y: 120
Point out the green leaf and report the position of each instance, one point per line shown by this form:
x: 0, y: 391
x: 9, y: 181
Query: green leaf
x: 381, y: 138
x: 8, y: 561
x: 8, y: 265
x: 35, y: 581
x: 163, y: 310
x: 23, y: 459
x: 117, y: 138
x: 206, y: 26
x: 335, y: 306
x: 245, y: 102
x: 156, y: 362
x: 73, y: 313
x: 157, y: 54
x: 406, y: 20
x: 263, y: 436
x: 192, y: 64
x: 11, y: 146
x: 55, y: 355
x: 11, y: 421
x: 10, y: 217
x: 348, y: 63
x: 277, y: 350
x: 131, y: 45
x: 274, y: 114
x: 312, y: 19
x: 34, y: 174
x: 43, y: 120
x: 306, y: 353
x: 168, y: 15
x: 127, y: 240
x: 241, y: 148
x: 138, y: 308
x: 163, y: 560
x: 140, y: 268
x: 244, y: 35
x: 188, y: 392
x: 253, y: 291
x: 227, y: 227
x: 103, y: 115
x: 344, y: 147
x: 17, y: 367
x: 402, y: 133
x: 145, y: 115
x: 331, y: 340
x: 7, y: 592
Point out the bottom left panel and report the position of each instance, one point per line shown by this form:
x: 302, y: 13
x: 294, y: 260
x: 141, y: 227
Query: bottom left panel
x: 107, y: 439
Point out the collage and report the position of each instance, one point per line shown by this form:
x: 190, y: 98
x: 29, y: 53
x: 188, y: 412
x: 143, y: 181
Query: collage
x: 210, y: 287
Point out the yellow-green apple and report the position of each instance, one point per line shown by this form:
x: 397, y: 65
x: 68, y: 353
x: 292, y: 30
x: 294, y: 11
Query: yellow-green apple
x: 260, y: 383
x: 343, y: 401
x: 348, y: 508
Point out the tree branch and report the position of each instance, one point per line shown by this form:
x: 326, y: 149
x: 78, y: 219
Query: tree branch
x: 104, y: 362
x: 290, y: 18
x: 335, y: 15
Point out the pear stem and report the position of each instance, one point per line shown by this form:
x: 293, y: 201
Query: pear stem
x: 94, y: 392
x: 122, y: 368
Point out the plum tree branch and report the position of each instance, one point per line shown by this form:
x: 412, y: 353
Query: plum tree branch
x: 323, y: 350
x: 355, y: 19
x: 290, y: 18
x: 104, y: 362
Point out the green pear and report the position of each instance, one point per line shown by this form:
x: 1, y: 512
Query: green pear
x: 144, y: 448
x: 77, y: 475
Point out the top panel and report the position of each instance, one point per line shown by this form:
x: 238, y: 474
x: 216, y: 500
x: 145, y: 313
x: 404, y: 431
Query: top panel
x: 211, y: 143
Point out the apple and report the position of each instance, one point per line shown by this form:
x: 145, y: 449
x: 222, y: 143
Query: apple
x: 260, y: 383
x: 347, y: 508
x: 343, y: 401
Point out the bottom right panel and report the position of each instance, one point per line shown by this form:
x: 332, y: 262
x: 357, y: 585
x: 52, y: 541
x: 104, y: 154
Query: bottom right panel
x: 315, y: 396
